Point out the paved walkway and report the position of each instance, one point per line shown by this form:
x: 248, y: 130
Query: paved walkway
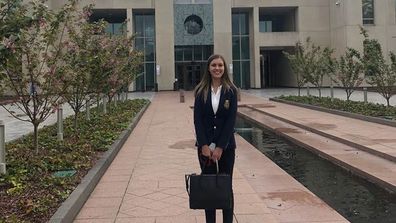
x: 145, y: 183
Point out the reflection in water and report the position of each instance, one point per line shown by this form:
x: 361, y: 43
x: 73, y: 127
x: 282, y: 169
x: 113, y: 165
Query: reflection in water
x: 356, y: 199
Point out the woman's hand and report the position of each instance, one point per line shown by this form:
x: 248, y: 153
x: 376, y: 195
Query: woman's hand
x: 216, y: 155
x: 206, y: 151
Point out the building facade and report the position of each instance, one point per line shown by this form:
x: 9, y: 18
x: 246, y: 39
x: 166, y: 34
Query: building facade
x: 177, y: 36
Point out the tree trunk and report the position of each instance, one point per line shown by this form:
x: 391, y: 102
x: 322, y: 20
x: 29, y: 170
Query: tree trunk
x: 387, y: 101
x: 75, y: 121
x: 299, y: 91
x: 35, y: 137
x: 320, y: 92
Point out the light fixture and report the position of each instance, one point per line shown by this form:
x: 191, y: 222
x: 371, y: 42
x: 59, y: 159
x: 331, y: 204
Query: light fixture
x: 337, y: 3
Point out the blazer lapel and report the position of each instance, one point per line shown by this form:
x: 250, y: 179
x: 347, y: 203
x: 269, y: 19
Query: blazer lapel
x: 221, y: 101
x: 209, y: 102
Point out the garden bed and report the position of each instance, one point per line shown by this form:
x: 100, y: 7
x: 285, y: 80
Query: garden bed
x: 30, y: 192
x: 378, y: 113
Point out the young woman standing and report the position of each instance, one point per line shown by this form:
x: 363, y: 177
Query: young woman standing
x: 215, y: 109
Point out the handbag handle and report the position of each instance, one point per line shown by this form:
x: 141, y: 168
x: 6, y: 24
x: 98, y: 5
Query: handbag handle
x: 187, y: 178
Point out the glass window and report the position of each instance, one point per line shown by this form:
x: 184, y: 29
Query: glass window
x: 197, y: 53
x: 244, y: 24
x: 149, y: 26
x: 207, y: 52
x: 236, y: 73
x: 245, y: 74
x: 188, y: 53
x: 139, y: 44
x: 150, y: 76
x: 149, y: 50
x: 139, y: 24
x: 235, y: 24
x: 368, y: 11
x: 178, y: 54
x: 245, y: 54
x: 109, y: 28
x: 265, y: 26
x: 118, y: 28
x: 236, y: 48
x: 139, y: 82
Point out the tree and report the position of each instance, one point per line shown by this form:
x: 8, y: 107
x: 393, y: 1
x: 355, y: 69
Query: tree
x: 78, y: 58
x: 349, y: 75
x: 30, y: 69
x: 12, y: 19
x: 297, y: 62
x: 323, y: 65
x: 378, y: 72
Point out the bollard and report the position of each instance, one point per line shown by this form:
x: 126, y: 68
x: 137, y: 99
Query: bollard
x: 60, y: 123
x: 87, y: 111
x: 365, y: 94
x: 331, y: 92
x: 308, y: 93
x: 104, y: 105
x: 181, y: 96
x: 239, y: 94
x: 2, y: 148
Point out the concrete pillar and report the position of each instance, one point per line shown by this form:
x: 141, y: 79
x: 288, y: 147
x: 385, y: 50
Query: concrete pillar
x: 2, y: 148
x: 255, y: 81
x: 165, y: 43
x: 222, y: 26
x: 60, y: 123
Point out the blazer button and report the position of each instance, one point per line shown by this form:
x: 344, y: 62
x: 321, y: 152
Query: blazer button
x: 214, y: 127
x: 215, y: 116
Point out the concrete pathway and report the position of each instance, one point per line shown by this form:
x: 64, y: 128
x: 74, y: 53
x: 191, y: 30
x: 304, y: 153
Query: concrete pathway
x: 145, y: 183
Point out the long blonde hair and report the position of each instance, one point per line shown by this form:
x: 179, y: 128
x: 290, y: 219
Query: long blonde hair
x: 202, y: 89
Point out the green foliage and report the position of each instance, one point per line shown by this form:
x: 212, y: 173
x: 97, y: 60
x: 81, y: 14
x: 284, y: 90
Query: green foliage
x: 30, y: 68
x: 379, y: 73
x: 368, y: 109
x: 298, y: 63
x: 29, y: 181
x: 311, y: 63
x: 350, y: 71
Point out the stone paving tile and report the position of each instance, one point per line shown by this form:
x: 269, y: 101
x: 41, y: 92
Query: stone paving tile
x: 94, y: 220
x: 157, y: 155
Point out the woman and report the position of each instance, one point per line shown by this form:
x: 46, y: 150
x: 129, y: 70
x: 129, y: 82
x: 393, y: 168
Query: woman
x: 215, y: 109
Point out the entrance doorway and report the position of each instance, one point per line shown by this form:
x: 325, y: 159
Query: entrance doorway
x: 275, y: 69
x: 189, y: 75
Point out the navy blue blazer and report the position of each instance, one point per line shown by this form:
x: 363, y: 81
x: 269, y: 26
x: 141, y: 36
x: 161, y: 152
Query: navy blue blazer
x: 217, y: 128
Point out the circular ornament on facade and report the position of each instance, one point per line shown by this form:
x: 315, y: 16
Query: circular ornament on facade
x: 193, y: 24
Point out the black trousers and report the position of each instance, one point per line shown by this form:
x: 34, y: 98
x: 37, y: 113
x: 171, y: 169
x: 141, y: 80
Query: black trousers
x: 226, y: 165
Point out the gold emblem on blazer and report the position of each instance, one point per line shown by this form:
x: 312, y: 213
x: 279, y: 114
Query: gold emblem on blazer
x: 227, y: 104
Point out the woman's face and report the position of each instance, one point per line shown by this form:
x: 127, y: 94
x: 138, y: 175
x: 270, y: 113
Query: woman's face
x: 216, y: 68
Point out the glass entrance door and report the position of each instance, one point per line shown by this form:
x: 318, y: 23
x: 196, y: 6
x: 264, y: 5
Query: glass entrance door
x: 188, y: 75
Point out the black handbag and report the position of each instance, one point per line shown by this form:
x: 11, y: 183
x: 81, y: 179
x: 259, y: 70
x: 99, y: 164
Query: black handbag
x: 209, y: 191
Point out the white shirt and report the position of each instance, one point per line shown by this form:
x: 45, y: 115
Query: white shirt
x: 216, y: 99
